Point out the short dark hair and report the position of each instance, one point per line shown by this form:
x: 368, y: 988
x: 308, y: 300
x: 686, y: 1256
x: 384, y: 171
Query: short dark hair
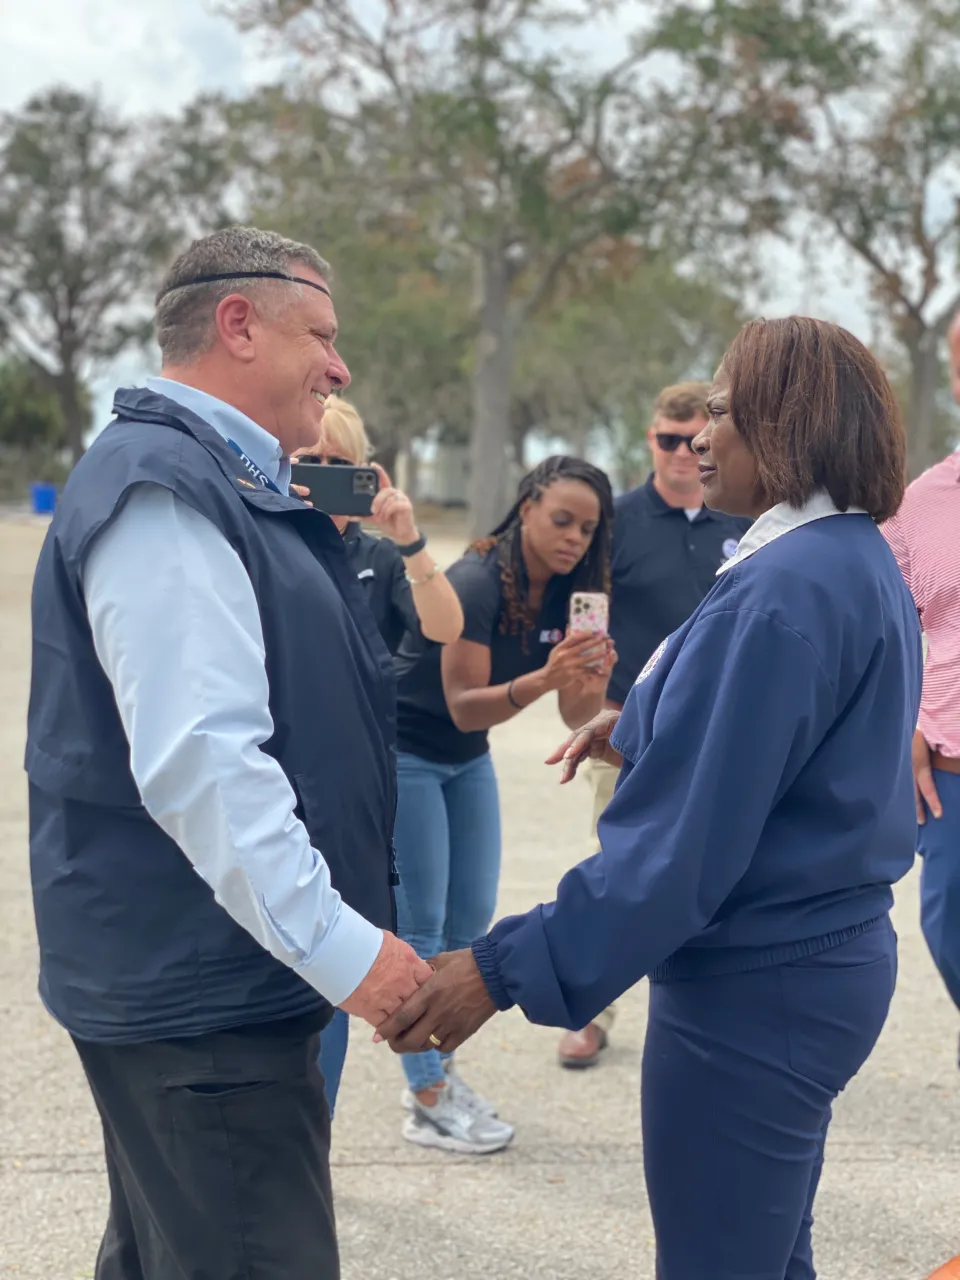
x: 185, y: 315
x: 682, y: 402
x: 817, y: 412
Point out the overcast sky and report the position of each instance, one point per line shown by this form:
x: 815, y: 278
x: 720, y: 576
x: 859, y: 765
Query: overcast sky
x: 146, y: 55
x: 154, y: 55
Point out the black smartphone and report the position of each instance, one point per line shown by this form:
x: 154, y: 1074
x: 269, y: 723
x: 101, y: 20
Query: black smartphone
x: 339, y: 491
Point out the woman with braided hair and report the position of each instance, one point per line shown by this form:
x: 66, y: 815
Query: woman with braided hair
x: 515, y: 588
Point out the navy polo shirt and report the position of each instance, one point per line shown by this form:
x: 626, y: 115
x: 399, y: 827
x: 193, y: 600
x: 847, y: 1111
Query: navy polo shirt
x: 663, y: 564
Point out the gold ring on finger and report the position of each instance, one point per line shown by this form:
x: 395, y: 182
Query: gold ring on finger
x: 434, y: 1041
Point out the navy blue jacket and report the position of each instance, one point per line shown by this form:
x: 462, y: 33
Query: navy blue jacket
x: 133, y: 945
x: 765, y: 805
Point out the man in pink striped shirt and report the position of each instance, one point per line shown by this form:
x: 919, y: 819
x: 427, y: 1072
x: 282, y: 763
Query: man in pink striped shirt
x: 925, y: 538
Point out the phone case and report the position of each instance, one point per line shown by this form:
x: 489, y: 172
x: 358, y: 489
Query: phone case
x: 589, y: 613
x: 339, y: 491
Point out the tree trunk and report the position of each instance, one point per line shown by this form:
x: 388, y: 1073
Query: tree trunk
x: 520, y: 433
x: 411, y: 472
x: 386, y: 455
x: 68, y: 393
x: 496, y: 344
x: 579, y: 440
x: 924, y: 384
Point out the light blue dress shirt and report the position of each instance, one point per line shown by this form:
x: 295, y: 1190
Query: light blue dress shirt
x: 177, y: 630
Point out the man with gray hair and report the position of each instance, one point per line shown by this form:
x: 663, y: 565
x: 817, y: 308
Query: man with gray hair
x: 212, y: 786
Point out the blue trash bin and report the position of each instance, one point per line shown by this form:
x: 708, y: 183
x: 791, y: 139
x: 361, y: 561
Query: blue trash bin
x: 43, y: 498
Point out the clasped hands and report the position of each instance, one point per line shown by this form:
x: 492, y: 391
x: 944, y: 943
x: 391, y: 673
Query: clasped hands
x: 408, y: 1000
x: 447, y: 1009
x: 444, y: 1001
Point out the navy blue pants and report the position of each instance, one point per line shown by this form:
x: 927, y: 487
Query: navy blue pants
x: 939, y: 845
x: 739, y: 1075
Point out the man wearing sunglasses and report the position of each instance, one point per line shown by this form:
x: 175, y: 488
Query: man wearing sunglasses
x: 667, y: 548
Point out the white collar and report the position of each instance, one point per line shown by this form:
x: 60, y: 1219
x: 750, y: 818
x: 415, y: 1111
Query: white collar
x: 783, y: 519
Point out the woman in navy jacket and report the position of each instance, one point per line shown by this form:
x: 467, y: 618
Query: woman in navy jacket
x: 764, y: 810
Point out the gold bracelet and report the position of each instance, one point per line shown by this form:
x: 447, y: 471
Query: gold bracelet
x: 418, y: 582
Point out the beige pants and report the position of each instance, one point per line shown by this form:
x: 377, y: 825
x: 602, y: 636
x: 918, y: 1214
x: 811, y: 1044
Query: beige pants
x: 602, y: 778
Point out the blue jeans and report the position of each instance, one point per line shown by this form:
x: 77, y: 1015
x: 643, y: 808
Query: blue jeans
x: 333, y: 1051
x: 939, y: 846
x: 448, y: 857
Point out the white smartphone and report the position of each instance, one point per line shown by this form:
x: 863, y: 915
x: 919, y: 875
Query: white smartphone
x: 590, y: 616
x: 589, y: 613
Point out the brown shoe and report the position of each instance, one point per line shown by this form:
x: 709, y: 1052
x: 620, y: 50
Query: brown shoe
x: 949, y: 1271
x: 580, y: 1049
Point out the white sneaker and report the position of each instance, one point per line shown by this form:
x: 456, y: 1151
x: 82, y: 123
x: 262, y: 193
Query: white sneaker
x: 449, y: 1126
x: 459, y: 1089
x: 469, y: 1097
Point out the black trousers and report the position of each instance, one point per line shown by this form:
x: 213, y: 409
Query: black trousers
x: 217, y: 1152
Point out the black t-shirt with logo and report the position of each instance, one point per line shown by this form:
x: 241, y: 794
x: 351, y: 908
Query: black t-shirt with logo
x: 382, y: 574
x: 424, y: 727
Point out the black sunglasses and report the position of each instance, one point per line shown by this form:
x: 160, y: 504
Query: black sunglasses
x: 670, y: 441
x: 324, y: 460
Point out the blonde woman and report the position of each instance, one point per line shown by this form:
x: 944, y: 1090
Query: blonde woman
x: 406, y: 590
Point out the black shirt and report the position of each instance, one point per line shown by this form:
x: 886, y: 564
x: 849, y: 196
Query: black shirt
x: 424, y: 727
x: 663, y: 564
x: 380, y: 570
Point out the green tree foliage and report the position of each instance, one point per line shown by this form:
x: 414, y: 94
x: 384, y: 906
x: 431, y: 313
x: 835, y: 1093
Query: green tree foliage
x: 846, y: 116
x: 283, y: 161
x: 83, y: 221
x: 593, y: 364
x: 518, y: 153
x: 33, y: 433
x: 30, y: 412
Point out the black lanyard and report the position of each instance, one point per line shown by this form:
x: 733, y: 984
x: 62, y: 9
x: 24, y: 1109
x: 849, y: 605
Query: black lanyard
x: 261, y: 477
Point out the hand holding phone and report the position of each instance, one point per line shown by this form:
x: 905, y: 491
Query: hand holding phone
x: 338, y: 491
x: 576, y: 658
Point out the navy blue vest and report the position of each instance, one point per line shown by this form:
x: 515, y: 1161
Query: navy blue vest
x: 133, y: 945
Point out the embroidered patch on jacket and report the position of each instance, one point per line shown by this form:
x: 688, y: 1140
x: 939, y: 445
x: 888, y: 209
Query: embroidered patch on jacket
x: 729, y: 548
x: 652, y: 661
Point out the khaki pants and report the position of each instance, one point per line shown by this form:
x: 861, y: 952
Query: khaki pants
x: 602, y: 778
